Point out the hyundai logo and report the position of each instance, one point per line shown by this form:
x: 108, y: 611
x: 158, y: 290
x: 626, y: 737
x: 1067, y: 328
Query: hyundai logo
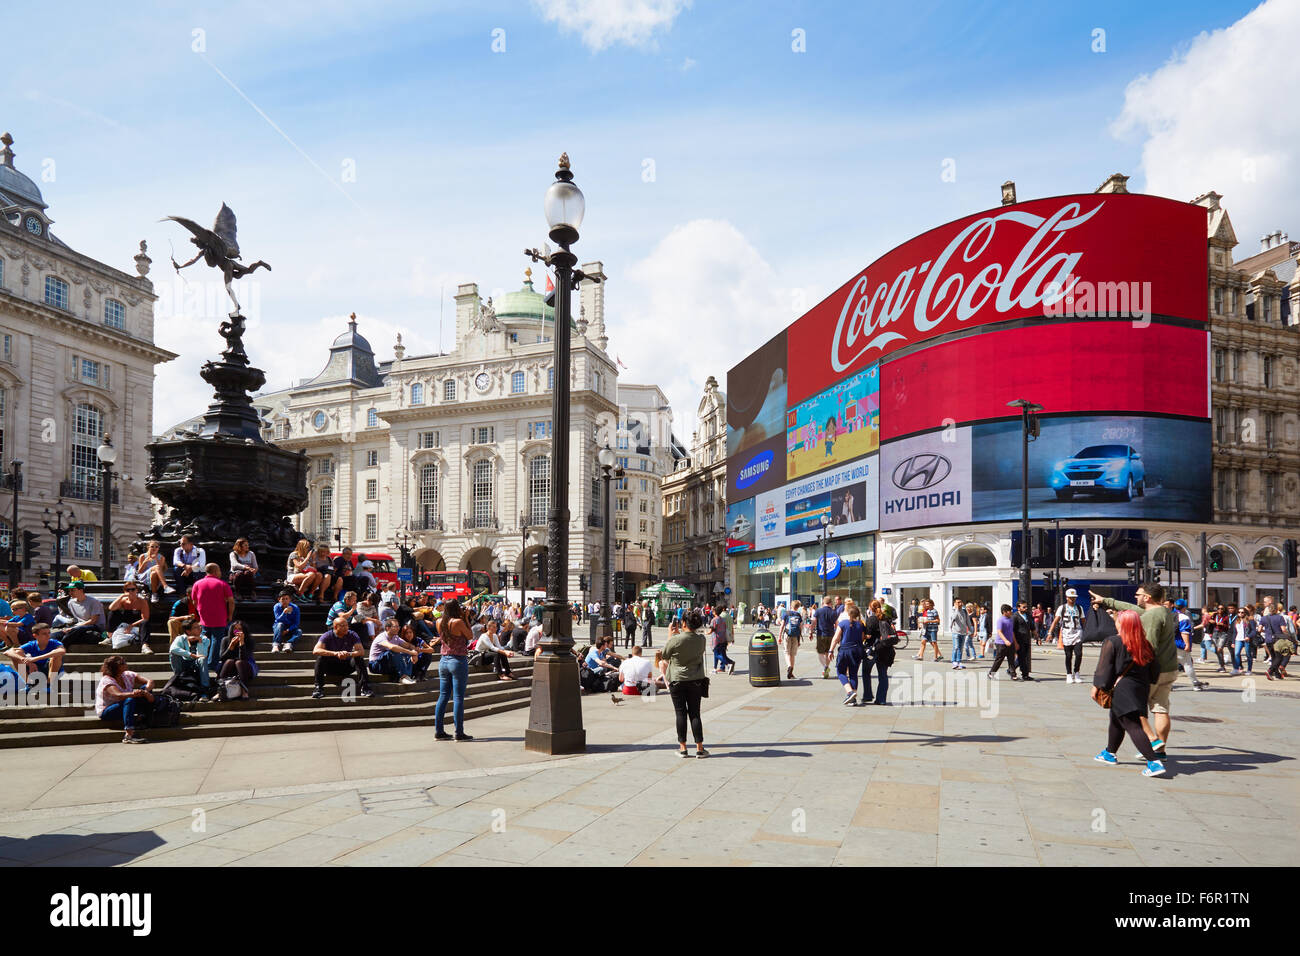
x: 921, y: 471
x: 754, y: 469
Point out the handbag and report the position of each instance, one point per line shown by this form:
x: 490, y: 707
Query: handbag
x: 704, y: 691
x: 232, y: 688
x: 1105, y: 697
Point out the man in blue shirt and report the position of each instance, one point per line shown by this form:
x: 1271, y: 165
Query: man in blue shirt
x: 825, y: 619
x: 40, y: 654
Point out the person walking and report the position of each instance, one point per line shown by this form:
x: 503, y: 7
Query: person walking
x: 1067, y: 624
x: 929, y: 630
x: 792, y: 624
x: 721, y: 628
x: 1158, y: 625
x: 880, y: 640
x: 848, y: 642
x: 1244, y: 631
x: 453, y: 669
x: 1023, y: 625
x: 687, y: 682
x: 1004, y: 640
x: 960, y: 627
x: 1127, y: 670
x: 1183, y: 641
x: 825, y: 621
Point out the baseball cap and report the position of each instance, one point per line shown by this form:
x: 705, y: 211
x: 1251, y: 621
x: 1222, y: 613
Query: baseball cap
x: 367, y: 564
x: 78, y: 585
x: 1180, y: 603
x: 1071, y: 593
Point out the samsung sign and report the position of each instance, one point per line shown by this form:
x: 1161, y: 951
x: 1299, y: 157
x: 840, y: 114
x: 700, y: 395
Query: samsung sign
x: 754, y: 469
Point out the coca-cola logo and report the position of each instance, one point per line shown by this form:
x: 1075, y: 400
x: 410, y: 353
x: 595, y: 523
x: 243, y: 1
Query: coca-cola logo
x: 1036, y: 275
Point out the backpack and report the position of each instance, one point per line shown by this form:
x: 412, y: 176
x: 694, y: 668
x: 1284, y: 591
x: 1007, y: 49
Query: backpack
x: 792, y: 622
x: 166, y: 711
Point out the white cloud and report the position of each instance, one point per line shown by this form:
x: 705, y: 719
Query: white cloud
x: 1217, y: 116
x: 702, y: 300
x: 604, y: 23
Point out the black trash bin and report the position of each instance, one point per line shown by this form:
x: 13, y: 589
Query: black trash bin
x: 764, y: 659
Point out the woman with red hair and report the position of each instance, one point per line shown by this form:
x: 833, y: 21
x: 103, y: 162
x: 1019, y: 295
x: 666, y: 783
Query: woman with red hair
x: 1127, y: 669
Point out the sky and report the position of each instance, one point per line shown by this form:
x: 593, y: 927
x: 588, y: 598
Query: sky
x: 740, y: 161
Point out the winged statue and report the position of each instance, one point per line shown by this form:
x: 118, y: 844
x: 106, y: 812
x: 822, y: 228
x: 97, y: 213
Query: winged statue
x: 218, y: 247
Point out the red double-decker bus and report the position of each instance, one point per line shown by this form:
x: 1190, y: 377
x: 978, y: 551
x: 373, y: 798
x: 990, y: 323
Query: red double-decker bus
x: 446, y: 585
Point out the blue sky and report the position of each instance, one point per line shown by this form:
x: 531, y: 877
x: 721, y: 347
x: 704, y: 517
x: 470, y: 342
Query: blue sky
x: 776, y: 174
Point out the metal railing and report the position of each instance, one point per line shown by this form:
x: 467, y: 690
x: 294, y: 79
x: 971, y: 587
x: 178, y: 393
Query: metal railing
x: 7, y: 481
x: 595, y: 521
x: 85, y: 491
x: 479, y: 523
x: 426, y: 523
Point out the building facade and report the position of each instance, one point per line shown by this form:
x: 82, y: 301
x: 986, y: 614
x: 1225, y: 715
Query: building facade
x: 1251, y: 498
x: 449, y: 455
x: 695, y: 503
x: 644, y: 449
x: 77, y: 361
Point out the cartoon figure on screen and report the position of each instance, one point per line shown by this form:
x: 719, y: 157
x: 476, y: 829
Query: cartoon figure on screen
x: 830, y: 437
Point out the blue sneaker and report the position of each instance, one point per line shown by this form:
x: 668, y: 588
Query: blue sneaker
x: 1155, y: 768
x: 1106, y: 757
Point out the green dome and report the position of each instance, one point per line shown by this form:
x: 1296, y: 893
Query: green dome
x: 527, y: 303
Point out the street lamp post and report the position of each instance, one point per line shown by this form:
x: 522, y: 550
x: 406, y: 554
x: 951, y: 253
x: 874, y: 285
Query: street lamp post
x: 107, y: 455
x: 523, y: 554
x: 1027, y: 409
x: 828, y: 532
x: 58, y: 531
x: 15, y: 479
x: 606, y: 458
x: 555, y: 712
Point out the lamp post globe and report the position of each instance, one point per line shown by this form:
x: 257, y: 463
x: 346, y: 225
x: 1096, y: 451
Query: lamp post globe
x: 564, y: 206
x: 107, y: 455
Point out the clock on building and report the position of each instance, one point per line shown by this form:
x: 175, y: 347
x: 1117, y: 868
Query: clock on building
x: 34, y: 225
x: 481, y: 381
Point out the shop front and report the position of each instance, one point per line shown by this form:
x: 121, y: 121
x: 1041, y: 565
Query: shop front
x: 850, y: 570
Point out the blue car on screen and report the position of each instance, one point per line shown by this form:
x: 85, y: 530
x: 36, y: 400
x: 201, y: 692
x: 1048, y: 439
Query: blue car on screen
x: 1100, y: 470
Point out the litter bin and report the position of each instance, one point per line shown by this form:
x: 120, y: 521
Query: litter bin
x: 764, y: 660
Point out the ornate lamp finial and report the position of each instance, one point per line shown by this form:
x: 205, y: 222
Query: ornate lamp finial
x: 564, y: 160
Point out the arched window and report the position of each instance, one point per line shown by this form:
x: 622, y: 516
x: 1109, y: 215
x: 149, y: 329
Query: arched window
x: 972, y: 556
x: 372, y: 418
x: 83, y: 542
x: 87, y: 434
x: 481, y: 488
x: 325, y: 512
x: 114, y: 314
x: 417, y: 394
x: 539, y: 489
x: 914, y: 559
x: 428, y: 494
x: 1184, y: 560
x: 56, y: 292
x: 1268, y: 559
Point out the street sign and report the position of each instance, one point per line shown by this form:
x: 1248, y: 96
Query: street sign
x: 405, y: 574
x: 886, y: 591
x: 726, y: 590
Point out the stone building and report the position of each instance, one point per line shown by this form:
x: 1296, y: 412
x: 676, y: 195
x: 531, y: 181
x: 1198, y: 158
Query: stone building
x: 77, y: 361
x: 695, y: 506
x: 449, y: 454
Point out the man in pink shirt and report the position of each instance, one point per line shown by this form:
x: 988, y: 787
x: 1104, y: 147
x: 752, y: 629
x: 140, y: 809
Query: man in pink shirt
x: 215, y: 603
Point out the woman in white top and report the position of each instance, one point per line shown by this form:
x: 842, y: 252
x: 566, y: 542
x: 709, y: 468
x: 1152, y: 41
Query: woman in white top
x: 150, y: 570
x: 488, y: 646
x: 300, y: 570
x: 243, y: 569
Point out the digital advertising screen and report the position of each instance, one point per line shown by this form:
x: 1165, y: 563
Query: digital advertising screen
x: 1117, y: 467
x: 926, y: 480
x: 756, y: 407
x: 834, y: 426
x: 846, y: 497
x: 740, y: 527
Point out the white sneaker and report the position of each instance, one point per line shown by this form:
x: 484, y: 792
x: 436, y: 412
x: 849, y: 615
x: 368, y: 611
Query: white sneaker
x: 169, y: 590
x: 407, y: 680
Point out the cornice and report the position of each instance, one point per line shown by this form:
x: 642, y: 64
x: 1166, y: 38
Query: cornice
x: 87, y: 330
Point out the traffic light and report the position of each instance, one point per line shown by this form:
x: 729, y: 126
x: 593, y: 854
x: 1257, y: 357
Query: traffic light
x: 501, y: 580
x: 1034, y: 429
x: 514, y: 580
x: 1135, y: 574
x: 1216, y: 559
x: 1289, y: 556
x: 618, y: 585
x: 539, y: 566
x: 30, y: 550
x: 1153, y: 573
x: 582, y: 582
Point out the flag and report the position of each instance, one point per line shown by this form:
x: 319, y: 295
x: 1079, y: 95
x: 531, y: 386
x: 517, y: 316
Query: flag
x: 620, y: 362
x: 550, y: 286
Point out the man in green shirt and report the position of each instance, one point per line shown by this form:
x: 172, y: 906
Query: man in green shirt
x: 1160, y: 629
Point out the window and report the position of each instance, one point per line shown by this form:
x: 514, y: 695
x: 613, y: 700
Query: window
x: 483, y: 434
x: 325, y: 466
x: 1218, y: 365
x: 325, y: 511
x: 372, y: 458
x: 1236, y: 365
x: 622, y: 504
x: 643, y: 526
x: 417, y: 394
x: 645, y: 505
x: 1218, y: 300
x: 620, y: 524
x: 449, y: 390
x: 539, y: 488
x: 318, y: 421
x: 83, y: 541
x: 1268, y: 371
x: 372, y: 418
x: 517, y: 383
x: 428, y: 494
x: 89, y: 371
x: 624, y: 440
x: 1268, y: 308
x: 1221, y: 490
x: 372, y: 489
x: 56, y: 293
x: 429, y: 440
x: 1232, y: 301
x: 482, y: 493
x: 7, y: 344
x: 114, y: 314
x: 620, y: 484
x: 622, y: 463
x: 1270, y: 494
x: 372, y: 527
x: 539, y: 429
x: 87, y: 433
x: 1270, y: 429
x: 600, y: 383
x: 550, y: 379
x: 1220, y: 420
x: 645, y: 485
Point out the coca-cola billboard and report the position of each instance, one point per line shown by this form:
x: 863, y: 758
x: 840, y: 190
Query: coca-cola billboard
x: 1109, y: 255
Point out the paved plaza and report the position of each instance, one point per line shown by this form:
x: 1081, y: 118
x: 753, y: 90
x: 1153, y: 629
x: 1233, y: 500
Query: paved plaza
x: 795, y: 777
